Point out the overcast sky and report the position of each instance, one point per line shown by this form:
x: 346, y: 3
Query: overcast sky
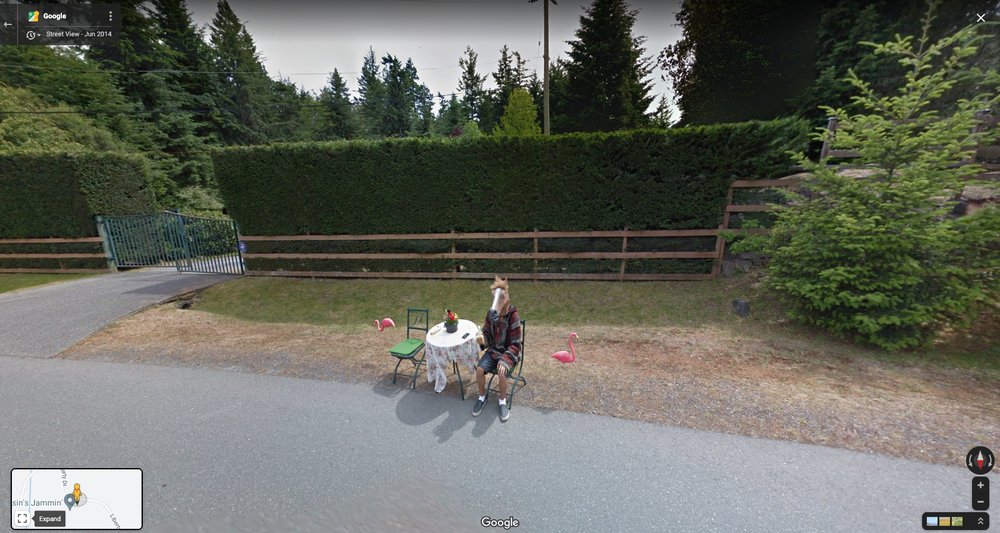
x: 304, y: 40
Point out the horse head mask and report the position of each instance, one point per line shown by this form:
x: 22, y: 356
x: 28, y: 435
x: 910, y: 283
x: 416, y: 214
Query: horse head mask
x: 501, y: 299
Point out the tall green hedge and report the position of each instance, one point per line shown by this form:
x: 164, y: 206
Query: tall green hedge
x: 646, y: 179
x: 58, y: 194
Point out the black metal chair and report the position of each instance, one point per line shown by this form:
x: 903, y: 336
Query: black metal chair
x: 512, y: 379
x: 416, y: 320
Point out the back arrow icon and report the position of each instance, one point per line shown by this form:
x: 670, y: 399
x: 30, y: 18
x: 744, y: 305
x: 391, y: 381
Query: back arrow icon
x: 5, y: 24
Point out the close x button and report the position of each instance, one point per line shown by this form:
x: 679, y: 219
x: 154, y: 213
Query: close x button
x: 980, y: 493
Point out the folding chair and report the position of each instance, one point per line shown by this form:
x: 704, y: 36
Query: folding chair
x: 512, y: 379
x: 416, y: 320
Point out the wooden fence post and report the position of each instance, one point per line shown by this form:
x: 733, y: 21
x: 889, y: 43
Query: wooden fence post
x: 621, y: 275
x: 536, y: 254
x: 831, y: 125
x: 720, y: 243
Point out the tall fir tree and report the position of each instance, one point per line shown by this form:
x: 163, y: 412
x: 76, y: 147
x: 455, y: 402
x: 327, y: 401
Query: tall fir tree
x: 471, y: 85
x: 246, y: 89
x: 423, y: 122
x: 399, y: 81
x: 450, y: 116
x: 190, y: 133
x: 294, y: 113
x: 193, y: 60
x: 608, y: 89
x: 145, y: 68
x: 337, y: 120
x: 371, y: 96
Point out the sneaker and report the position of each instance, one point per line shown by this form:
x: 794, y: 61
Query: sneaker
x: 478, y: 408
x: 504, y: 412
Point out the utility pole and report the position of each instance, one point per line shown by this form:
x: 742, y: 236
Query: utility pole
x: 545, y: 86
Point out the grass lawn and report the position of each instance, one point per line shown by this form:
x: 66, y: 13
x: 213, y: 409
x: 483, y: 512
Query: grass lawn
x: 13, y: 282
x: 663, y: 352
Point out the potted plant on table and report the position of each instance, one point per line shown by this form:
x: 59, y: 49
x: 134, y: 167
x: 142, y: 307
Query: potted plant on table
x: 450, y: 321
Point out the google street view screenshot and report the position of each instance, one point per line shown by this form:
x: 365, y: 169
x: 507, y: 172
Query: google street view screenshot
x: 500, y: 265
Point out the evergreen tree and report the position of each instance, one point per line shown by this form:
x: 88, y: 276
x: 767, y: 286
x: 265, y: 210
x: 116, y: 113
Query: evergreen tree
x: 294, y: 113
x: 400, y: 92
x: 563, y: 117
x: 371, y: 95
x: 47, y: 132
x: 471, y: 84
x: 245, y: 86
x: 607, y: 86
x: 192, y: 60
x: 510, y: 74
x: 520, y: 118
x: 337, y: 120
x: 879, y: 257
x: 450, y: 116
x: 61, y: 76
x: 423, y: 123
x: 740, y: 59
x: 141, y: 50
x: 663, y: 117
x: 844, y: 24
x: 145, y: 69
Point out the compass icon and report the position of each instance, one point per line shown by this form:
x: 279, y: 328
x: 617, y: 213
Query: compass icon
x: 980, y: 460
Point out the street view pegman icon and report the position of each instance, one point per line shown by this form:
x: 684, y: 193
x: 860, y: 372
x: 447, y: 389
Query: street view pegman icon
x: 76, y: 493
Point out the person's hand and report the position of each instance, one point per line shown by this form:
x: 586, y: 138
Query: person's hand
x: 502, y: 370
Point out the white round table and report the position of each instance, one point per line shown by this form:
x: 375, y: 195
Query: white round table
x: 443, y: 348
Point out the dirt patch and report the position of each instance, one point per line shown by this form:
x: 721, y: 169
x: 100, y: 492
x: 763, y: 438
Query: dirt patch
x: 702, y: 378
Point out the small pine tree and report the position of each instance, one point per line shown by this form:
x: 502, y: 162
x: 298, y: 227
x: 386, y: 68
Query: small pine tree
x: 878, y: 257
x: 521, y: 116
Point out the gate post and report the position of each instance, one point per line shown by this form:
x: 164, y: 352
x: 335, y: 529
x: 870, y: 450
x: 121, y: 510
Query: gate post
x: 239, y: 252
x: 109, y: 248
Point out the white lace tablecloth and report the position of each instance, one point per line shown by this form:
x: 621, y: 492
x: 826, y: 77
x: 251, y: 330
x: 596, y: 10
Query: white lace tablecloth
x: 443, y: 348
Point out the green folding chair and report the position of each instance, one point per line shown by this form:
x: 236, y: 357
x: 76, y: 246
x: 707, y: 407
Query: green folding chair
x: 416, y: 320
x: 513, y: 377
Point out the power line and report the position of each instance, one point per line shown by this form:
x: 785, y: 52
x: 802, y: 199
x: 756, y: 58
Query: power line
x: 175, y: 71
x: 196, y: 110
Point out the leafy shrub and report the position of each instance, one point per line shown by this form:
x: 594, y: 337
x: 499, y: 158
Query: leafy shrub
x: 878, y: 257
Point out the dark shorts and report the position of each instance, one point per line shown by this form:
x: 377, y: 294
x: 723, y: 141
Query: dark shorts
x: 487, y: 362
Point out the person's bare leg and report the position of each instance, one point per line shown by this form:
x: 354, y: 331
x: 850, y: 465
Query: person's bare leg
x: 481, y: 380
x: 503, y: 386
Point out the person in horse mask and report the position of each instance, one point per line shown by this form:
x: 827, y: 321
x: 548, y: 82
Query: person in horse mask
x: 501, y: 340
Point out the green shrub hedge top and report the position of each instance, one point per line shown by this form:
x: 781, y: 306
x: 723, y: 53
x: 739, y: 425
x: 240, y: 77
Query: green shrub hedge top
x: 647, y: 179
x: 57, y: 194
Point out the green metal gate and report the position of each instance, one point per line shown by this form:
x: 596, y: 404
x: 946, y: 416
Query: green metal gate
x: 190, y: 244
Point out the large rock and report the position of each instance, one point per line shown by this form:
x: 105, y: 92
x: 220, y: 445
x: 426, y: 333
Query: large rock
x: 741, y: 306
x: 728, y: 268
x: 743, y: 265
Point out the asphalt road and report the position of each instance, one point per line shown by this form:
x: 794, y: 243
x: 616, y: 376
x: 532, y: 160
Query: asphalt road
x: 44, y: 321
x: 226, y: 451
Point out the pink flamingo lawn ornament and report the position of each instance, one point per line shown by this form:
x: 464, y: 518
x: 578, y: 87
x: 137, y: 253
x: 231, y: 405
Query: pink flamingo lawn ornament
x: 565, y: 356
x: 386, y: 322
